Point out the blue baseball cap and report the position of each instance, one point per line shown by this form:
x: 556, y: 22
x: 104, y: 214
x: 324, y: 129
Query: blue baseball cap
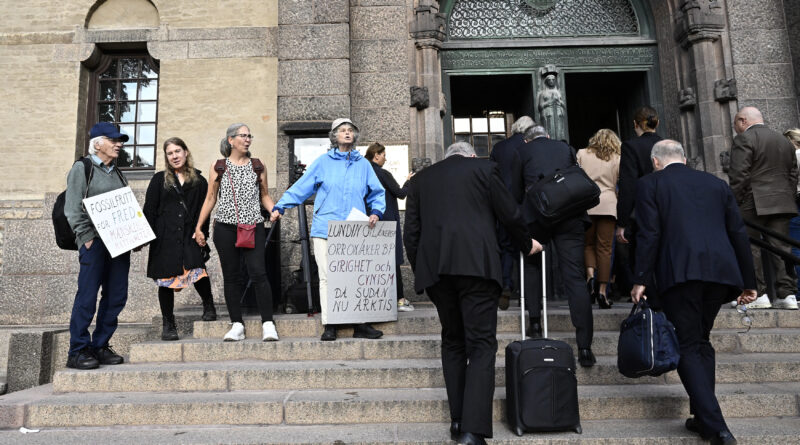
x: 108, y: 130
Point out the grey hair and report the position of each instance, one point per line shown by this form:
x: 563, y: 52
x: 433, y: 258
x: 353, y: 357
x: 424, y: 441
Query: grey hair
x: 332, y: 134
x: 225, y: 146
x: 93, y: 144
x: 667, y: 149
x: 460, y: 149
x: 521, y: 125
x: 535, y: 132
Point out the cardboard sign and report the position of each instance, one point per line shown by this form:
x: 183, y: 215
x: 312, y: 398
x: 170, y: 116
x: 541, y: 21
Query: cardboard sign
x: 361, y: 272
x: 119, y: 220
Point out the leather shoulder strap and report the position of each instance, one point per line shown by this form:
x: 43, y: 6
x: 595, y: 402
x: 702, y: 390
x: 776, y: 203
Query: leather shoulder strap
x: 220, y: 167
x: 258, y: 167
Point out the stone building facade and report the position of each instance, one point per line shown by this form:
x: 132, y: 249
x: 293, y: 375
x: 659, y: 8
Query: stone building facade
x: 415, y: 73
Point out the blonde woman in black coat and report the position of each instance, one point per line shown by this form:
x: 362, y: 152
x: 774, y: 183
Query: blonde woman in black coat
x: 173, y: 202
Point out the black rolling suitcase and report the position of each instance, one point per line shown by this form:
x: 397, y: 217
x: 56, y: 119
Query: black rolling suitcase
x: 541, y: 387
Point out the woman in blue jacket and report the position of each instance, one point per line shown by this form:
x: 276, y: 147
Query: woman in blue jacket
x: 342, y: 180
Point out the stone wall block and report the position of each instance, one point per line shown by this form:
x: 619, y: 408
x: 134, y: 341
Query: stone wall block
x: 370, y: 56
x: 379, y: 23
x: 122, y: 35
x: 379, y: 90
x: 220, y: 33
x: 781, y: 114
x: 354, y: 3
x: 220, y: 49
x: 74, y: 52
x: 313, y: 108
x: 23, y: 239
x: 385, y: 125
x: 331, y: 11
x: 314, y: 77
x: 765, y: 81
x: 765, y: 46
x: 314, y: 42
x: 168, y: 50
x: 760, y: 15
x: 29, y: 359
x: 291, y: 12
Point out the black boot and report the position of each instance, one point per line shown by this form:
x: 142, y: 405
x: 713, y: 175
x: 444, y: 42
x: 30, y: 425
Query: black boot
x: 534, y: 328
x: 329, y: 334
x: 209, y: 311
x: 169, y: 332
x: 365, y: 330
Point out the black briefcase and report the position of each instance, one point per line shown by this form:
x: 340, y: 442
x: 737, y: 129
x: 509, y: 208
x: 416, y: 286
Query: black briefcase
x: 541, y: 386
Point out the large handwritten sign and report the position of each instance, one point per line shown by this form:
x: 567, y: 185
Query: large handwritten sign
x: 361, y: 272
x: 119, y: 220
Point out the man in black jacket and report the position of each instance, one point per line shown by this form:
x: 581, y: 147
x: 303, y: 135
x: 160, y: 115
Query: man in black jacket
x: 542, y: 156
x: 692, y: 238
x: 507, y: 158
x: 451, y: 212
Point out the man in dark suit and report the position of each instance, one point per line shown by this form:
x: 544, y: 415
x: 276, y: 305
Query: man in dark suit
x: 763, y: 176
x: 505, y: 155
x: 542, y: 156
x: 451, y: 211
x: 692, y: 238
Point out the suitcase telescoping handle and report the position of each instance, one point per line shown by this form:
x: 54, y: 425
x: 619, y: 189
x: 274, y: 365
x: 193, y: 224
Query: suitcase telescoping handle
x: 522, y: 294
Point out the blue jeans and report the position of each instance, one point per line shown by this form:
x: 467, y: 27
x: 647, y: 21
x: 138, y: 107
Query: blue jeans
x: 794, y: 233
x: 98, y: 270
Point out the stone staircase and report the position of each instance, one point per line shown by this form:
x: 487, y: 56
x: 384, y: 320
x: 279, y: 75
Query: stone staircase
x: 201, y: 390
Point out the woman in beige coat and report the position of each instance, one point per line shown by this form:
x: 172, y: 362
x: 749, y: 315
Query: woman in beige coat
x: 600, y: 160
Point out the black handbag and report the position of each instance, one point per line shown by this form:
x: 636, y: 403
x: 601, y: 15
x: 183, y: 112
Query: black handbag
x: 562, y: 194
x: 647, y: 344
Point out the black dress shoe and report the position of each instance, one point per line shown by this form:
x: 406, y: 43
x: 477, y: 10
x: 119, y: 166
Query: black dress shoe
x: 366, y: 331
x: 107, y: 356
x: 586, y: 358
x: 83, y: 359
x: 455, y: 429
x: 470, y: 439
x: 209, y: 311
x: 329, y: 334
x: 169, y: 331
x: 723, y: 438
x: 505, y: 299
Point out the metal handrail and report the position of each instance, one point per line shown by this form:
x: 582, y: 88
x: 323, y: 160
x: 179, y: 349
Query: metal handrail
x: 769, y: 232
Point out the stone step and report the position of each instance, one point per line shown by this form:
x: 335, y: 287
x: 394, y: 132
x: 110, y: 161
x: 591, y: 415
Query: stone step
x: 767, y: 430
x: 343, y: 374
x: 40, y: 408
x: 426, y: 321
x: 417, y: 346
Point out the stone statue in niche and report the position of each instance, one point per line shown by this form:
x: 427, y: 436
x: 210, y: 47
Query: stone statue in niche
x: 550, y: 103
x: 687, y: 99
x: 725, y: 90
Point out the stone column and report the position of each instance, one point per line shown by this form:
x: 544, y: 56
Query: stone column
x: 705, y: 119
x: 427, y: 30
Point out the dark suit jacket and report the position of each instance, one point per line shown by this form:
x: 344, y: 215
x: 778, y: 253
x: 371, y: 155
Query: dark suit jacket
x: 690, y: 228
x: 542, y: 157
x: 451, y: 212
x: 392, y: 213
x: 763, y: 172
x: 633, y: 164
x: 505, y: 153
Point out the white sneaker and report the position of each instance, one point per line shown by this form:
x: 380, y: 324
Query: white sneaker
x: 236, y: 333
x: 404, y: 305
x: 269, y: 333
x: 761, y: 302
x: 790, y: 302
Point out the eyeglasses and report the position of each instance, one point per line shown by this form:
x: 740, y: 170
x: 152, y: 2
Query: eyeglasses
x: 746, y: 320
x: 245, y: 136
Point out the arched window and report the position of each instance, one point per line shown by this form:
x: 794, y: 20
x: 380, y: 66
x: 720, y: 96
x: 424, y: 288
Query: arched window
x: 124, y: 91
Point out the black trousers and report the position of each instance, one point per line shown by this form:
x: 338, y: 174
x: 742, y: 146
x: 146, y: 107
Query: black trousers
x: 568, y: 238
x: 692, y: 307
x: 467, y: 309
x: 230, y: 258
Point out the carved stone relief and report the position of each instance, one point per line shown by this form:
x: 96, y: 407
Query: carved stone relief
x: 687, y: 99
x: 420, y: 99
x: 725, y: 90
x: 527, y: 57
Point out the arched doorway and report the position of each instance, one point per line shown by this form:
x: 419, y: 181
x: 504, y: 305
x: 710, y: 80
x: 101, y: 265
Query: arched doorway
x: 575, y: 66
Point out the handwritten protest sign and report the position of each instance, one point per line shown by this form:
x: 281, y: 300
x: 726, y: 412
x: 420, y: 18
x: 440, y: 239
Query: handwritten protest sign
x: 361, y: 272
x: 119, y: 220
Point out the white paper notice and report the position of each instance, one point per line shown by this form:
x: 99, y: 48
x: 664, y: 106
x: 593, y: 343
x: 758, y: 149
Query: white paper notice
x: 119, y: 220
x: 357, y: 215
x: 361, y: 272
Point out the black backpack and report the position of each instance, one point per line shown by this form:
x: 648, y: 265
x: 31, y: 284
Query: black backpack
x: 65, y: 237
x: 562, y: 194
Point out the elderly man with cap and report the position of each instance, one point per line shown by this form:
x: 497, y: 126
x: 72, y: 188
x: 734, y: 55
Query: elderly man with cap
x: 97, y: 268
x: 342, y: 180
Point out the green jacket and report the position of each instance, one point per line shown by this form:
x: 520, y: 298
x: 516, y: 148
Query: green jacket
x: 102, y: 182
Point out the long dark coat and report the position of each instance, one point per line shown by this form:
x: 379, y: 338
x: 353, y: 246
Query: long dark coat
x: 392, y: 213
x: 174, y: 249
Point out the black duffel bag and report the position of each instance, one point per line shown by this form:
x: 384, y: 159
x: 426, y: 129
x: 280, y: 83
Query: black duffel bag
x: 563, y: 194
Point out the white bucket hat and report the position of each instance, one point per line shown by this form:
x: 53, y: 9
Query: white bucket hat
x: 340, y: 121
